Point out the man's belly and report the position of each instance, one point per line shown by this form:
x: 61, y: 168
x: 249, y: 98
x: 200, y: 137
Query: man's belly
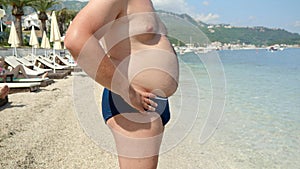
x: 154, y: 69
x: 155, y: 81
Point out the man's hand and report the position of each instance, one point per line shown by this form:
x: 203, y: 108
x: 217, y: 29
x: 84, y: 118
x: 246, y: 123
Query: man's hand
x: 140, y: 99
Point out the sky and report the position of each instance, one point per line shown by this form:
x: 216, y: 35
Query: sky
x: 283, y: 14
x: 267, y: 13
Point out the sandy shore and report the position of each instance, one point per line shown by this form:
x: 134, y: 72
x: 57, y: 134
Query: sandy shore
x: 42, y: 130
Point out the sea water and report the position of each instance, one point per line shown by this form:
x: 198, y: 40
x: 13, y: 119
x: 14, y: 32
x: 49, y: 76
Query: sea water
x: 260, y: 125
x: 262, y: 114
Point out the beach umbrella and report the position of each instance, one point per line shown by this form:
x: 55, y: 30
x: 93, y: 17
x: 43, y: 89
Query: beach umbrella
x: 2, y: 13
x: 45, y: 43
x: 13, y: 39
x: 55, y: 36
x: 33, y: 41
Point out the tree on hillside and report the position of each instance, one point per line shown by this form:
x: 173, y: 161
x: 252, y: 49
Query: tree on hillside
x: 42, y: 7
x: 18, y: 12
x: 64, y: 17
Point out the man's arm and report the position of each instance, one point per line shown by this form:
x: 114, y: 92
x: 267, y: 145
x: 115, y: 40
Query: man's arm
x: 84, y: 45
x: 82, y: 40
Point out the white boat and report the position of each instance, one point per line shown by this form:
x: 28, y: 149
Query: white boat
x: 276, y: 47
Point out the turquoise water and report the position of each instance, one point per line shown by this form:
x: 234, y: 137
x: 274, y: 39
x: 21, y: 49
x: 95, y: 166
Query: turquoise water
x: 261, y: 120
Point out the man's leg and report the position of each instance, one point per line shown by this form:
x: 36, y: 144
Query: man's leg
x: 137, y: 143
x: 18, y: 69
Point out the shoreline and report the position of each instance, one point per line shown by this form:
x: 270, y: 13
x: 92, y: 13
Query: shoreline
x: 41, y: 130
x: 29, y: 49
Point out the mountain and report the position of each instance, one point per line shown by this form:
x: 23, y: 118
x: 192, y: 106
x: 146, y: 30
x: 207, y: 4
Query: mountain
x: 184, y: 28
x: 259, y: 36
x: 74, y: 5
x: 185, y: 25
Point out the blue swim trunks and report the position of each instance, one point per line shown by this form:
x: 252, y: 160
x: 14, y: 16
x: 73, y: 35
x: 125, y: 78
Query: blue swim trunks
x: 113, y: 104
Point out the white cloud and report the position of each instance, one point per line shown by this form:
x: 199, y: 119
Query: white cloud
x: 252, y: 18
x: 205, y: 3
x: 180, y: 6
x: 209, y: 18
x: 177, y: 6
x: 297, y: 24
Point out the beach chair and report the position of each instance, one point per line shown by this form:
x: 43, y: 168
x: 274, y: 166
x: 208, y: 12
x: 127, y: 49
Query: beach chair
x: 64, y: 61
x: 25, y: 62
x: 60, y: 71
x: 22, y: 87
x: 13, y: 62
x: 43, y: 81
x: 48, y: 63
x: 30, y: 64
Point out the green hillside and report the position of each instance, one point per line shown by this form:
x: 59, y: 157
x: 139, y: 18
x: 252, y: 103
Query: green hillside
x: 74, y: 5
x: 257, y: 35
x: 183, y: 25
x: 184, y: 28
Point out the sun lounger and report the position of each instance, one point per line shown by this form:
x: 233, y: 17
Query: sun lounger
x: 6, y: 78
x: 46, y: 62
x: 30, y: 79
x: 22, y: 87
x: 27, y: 63
x: 64, y: 61
x: 13, y: 62
x: 67, y: 62
x: 44, y: 81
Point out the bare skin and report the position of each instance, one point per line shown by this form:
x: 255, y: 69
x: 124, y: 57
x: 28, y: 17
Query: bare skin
x: 14, y: 71
x: 135, y: 61
x: 18, y: 71
x: 4, y: 91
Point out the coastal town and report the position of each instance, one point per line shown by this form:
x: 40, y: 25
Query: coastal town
x: 32, y: 20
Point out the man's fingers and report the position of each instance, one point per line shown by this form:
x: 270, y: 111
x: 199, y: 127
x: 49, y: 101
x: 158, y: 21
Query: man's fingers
x: 147, y: 94
x: 148, y: 107
x: 150, y: 102
x: 142, y: 101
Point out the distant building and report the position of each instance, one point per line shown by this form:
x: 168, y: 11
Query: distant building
x: 31, y: 20
x: 211, y: 30
x: 210, y: 26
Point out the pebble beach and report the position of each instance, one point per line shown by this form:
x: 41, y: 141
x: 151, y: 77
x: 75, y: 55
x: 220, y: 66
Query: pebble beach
x: 40, y: 130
